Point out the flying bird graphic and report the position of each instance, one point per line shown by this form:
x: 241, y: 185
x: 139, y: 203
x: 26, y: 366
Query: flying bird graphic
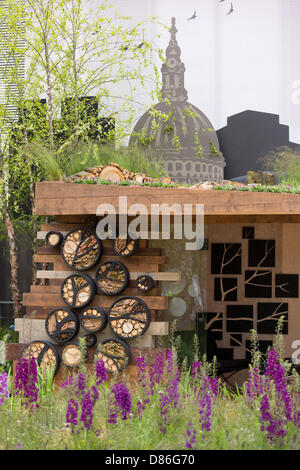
x: 193, y: 17
x: 231, y: 10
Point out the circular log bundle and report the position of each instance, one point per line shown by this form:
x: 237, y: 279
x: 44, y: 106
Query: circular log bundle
x: 62, y: 325
x: 81, y: 249
x: 144, y: 283
x: 114, y: 353
x: 53, y: 238
x: 129, y: 317
x: 45, y: 354
x: 124, y: 246
x: 90, y: 340
x: 78, y: 290
x: 71, y: 355
x: 93, y: 319
x: 112, y: 277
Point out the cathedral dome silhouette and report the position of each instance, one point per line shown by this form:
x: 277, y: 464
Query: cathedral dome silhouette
x: 187, y: 139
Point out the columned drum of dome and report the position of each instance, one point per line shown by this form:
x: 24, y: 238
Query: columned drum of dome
x: 187, y: 140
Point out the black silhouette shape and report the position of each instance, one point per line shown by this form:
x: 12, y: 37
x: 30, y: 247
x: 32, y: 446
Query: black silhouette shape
x: 239, y: 318
x: 226, y: 258
x: 231, y: 10
x: 258, y: 284
x: 268, y: 315
x: 261, y: 253
x: 193, y: 16
x: 225, y: 289
x: 248, y: 233
x: 236, y: 340
x: 238, y: 134
x: 286, y: 285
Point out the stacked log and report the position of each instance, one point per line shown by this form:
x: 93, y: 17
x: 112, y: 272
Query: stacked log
x: 115, y: 173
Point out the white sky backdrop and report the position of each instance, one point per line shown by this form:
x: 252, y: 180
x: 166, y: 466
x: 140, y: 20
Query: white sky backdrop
x: 247, y: 60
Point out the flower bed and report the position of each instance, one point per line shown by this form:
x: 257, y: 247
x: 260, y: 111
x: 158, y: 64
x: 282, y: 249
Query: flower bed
x: 169, y: 408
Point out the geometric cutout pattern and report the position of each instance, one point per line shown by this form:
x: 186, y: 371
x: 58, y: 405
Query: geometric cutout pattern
x: 248, y: 233
x: 268, y: 314
x: 226, y: 258
x: 258, y: 284
x: 261, y: 253
x: 239, y: 318
x: 286, y: 285
x: 213, y: 333
x: 226, y: 289
x: 236, y: 339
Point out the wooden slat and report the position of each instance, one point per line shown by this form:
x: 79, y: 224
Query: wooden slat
x: 50, y: 300
x: 107, y: 251
x: 34, y: 329
x: 65, y: 228
x: 128, y: 291
x: 130, y: 260
x: 13, y: 351
x: 157, y: 276
x: 156, y: 328
x: 56, y: 198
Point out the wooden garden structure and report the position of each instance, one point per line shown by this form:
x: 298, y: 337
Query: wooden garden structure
x: 252, y: 273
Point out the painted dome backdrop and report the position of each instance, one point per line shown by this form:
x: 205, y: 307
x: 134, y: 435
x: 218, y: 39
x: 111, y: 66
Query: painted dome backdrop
x: 187, y: 138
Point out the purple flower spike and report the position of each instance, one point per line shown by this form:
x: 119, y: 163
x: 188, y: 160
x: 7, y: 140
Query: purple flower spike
x: 190, y: 442
x: 87, y: 411
x: 101, y: 373
x: 120, y: 402
x: 4, y: 395
x: 72, y: 413
x: 26, y: 380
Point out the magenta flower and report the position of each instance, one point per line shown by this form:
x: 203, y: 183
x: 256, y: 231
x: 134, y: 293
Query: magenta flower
x: 120, y: 402
x: 72, y: 414
x: 87, y: 410
x: 4, y: 394
x: 101, y: 373
x: 26, y: 380
x: 190, y: 442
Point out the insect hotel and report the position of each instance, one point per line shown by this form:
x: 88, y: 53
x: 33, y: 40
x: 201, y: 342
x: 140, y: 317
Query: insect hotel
x: 122, y: 294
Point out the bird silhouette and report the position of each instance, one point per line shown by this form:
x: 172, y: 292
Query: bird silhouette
x: 193, y: 16
x: 222, y: 1
x: 231, y: 10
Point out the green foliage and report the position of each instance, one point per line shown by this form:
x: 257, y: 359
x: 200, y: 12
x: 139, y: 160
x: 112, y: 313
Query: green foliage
x: 286, y: 162
x: 7, y: 335
x: 212, y: 149
x: 198, y: 147
x: 55, y: 167
x: 281, y: 188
